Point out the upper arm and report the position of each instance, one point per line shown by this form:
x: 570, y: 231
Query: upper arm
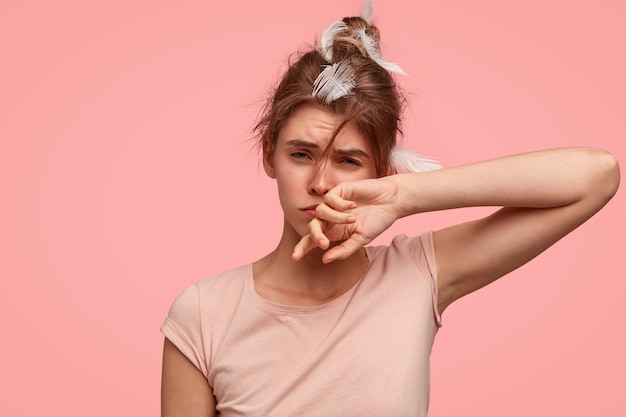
x: 184, y: 389
x: 473, y: 254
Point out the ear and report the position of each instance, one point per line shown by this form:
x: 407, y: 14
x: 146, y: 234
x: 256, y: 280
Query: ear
x: 268, y: 159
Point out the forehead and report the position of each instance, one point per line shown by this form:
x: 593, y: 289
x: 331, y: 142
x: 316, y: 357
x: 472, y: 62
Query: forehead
x: 318, y: 124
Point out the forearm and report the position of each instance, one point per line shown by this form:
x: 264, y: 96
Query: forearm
x: 550, y: 178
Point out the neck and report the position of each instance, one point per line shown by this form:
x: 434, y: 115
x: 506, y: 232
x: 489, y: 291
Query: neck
x: 306, y: 282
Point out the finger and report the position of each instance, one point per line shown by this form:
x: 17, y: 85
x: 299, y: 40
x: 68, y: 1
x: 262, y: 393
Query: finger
x: 331, y: 215
x: 316, y: 233
x: 337, y: 202
x: 346, y: 249
x: 343, y: 250
x: 304, y: 246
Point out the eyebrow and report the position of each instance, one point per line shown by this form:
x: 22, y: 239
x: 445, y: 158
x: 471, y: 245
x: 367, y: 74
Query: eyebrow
x: 313, y: 145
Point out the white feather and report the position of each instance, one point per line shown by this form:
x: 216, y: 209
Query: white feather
x: 373, y: 50
x: 404, y: 161
x: 328, y: 37
x: 334, y: 82
x: 368, y: 11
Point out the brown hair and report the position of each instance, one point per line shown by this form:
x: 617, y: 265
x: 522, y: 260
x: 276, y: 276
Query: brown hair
x: 374, y: 105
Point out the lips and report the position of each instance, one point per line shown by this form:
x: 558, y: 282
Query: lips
x: 310, y: 210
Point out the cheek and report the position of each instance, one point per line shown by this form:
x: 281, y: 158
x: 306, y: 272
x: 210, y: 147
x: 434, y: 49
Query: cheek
x: 289, y: 181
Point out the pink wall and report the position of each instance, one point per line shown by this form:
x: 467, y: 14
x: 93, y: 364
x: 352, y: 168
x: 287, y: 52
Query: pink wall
x: 126, y: 174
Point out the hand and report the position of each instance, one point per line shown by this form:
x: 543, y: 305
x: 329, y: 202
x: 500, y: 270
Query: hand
x: 353, y: 212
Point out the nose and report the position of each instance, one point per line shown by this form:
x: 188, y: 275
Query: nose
x: 321, y: 180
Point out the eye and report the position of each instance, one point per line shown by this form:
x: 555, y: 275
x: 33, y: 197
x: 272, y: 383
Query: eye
x: 350, y: 162
x: 299, y: 155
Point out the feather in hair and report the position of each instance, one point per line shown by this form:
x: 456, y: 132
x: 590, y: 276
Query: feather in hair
x: 373, y: 50
x: 368, y: 11
x: 335, y: 81
x: 404, y: 161
x: 328, y: 37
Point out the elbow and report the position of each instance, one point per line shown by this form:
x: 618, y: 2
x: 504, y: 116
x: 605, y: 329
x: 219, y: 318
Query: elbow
x: 607, y: 175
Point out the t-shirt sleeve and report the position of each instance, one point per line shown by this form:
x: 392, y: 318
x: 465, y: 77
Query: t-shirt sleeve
x: 421, y: 250
x: 429, y: 261
x: 183, y: 327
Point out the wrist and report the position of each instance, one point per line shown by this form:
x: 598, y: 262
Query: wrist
x: 405, y: 187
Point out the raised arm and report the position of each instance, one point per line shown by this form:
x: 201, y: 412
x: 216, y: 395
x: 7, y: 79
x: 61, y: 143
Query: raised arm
x: 544, y: 195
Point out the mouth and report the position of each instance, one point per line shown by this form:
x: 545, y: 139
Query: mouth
x: 310, y: 210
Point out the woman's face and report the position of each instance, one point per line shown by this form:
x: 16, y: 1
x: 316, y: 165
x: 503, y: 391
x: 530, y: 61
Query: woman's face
x: 305, y: 169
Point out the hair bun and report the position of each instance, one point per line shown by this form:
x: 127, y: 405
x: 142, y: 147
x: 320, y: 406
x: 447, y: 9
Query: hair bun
x: 356, y: 23
x: 350, y: 41
x: 353, y: 37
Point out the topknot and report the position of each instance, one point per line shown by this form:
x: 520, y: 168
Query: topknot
x: 346, y: 44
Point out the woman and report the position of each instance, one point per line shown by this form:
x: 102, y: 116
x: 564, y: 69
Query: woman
x: 325, y: 324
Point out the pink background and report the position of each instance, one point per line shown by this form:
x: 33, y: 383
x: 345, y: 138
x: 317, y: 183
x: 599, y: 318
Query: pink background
x: 126, y: 174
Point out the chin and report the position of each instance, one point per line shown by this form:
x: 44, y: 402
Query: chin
x: 301, y: 229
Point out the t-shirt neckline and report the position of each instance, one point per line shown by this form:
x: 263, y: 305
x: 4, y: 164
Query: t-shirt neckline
x: 250, y: 290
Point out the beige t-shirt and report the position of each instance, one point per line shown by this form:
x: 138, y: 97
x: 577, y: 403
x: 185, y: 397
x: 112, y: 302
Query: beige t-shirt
x: 365, y: 353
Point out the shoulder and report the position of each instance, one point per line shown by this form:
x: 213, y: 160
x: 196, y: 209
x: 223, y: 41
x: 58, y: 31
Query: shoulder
x: 408, y: 263
x: 208, y: 299
x: 417, y: 249
x: 211, y: 291
x: 405, y: 257
x: 227, y: 281
x: 199, y: 310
